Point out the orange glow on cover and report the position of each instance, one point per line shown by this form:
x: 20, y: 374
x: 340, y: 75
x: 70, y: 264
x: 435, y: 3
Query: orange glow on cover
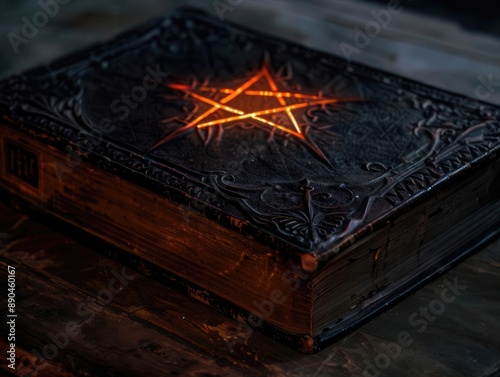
x: 255, y: 108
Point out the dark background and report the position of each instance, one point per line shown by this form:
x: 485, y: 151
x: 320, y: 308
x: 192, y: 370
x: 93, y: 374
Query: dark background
x: 476, y: 16
x: 442, y: 43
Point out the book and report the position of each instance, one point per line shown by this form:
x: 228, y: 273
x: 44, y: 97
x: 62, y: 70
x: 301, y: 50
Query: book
x: 292, y: 189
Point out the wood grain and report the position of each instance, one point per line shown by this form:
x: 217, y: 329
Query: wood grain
x: 151, y: 328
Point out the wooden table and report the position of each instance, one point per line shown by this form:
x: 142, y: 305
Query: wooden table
x: 80, y: 312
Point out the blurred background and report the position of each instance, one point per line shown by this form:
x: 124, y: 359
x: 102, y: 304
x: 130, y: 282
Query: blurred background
x: 452, y: 45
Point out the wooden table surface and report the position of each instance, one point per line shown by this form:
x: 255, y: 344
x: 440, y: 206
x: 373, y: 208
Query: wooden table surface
x: 67, y: 313
x: 148, y: 328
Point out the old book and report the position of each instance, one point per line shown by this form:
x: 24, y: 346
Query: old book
x: 303, y: 192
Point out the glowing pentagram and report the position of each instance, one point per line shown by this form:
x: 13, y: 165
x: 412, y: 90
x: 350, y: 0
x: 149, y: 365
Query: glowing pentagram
x: 253, y: 100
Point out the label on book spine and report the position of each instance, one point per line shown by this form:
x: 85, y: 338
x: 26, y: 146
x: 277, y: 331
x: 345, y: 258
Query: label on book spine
x: 22, y: 163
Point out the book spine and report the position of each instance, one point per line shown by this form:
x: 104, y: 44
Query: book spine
x: 145, y: 224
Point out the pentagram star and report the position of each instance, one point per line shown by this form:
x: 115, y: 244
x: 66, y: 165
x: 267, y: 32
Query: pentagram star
x: 262, y: 104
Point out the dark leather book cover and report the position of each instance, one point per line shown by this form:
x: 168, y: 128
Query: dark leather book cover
x: 297, y: 151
